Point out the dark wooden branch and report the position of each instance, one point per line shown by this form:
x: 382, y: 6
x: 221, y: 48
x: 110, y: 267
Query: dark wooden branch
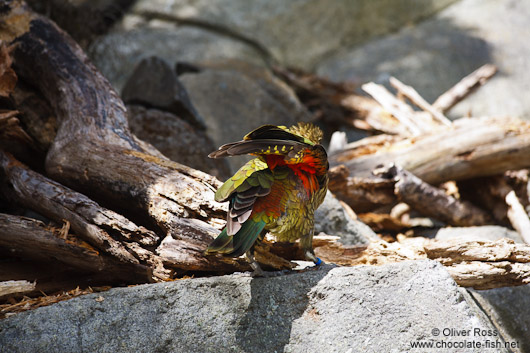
x: 23, y: 186
x: 434, y: 202
x: 95, y: 153
x: 32, y: 239
x: 362, y: 194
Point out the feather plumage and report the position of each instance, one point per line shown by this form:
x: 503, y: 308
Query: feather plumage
x: 277, y: 192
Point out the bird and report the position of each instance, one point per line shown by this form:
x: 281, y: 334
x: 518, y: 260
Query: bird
x: 276, y: 192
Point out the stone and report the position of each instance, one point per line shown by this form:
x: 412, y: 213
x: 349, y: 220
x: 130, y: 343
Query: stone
x: 298, y: 33
x: 332, y: 309
x: 84, y: 20
x: 236, y: 98
x: 509, y: 310
x: 119, y: 52
x: 154, y: 83
x: 332, y: 219
x: 434, y: 55
x: 176, y: 139
x: 490, y: 233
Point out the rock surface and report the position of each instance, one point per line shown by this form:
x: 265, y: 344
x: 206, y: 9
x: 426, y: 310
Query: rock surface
x: 235, y: 99
x: 118, y: 53
x: 357, y: 309
x: 154, y: 83
x: 472, y: 233
x: 332, y: 219
x: 176, y: 139
x: 509, y: 311
x: 298, y: 33
x: 437, y: 53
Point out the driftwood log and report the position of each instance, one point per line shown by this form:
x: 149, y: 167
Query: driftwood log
x: 476, y: 264
x: 435, y: 202
x: 34, y: 240
x: 10, y: 288
x: 95, y: 154
x: 470, y: 148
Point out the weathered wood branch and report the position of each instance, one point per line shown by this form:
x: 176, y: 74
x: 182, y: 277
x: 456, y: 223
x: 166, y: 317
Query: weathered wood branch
x: 465, y: 86
x: 434, y: 202
x: 477, y: 264
x: 417, y: 99
x: 471, y: 147
x: 94, y: 151
x: 11, y: 288
x: 91, y: 222
x: 32, y: 239
x: 51, y: 199
x: 483, y: 264
x: 400, y: 110
x: 518, y: 216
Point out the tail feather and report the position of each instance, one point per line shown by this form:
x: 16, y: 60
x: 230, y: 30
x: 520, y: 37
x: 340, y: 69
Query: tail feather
x: 240, y: 242
x: 265, y: 146
x: 222, y: 244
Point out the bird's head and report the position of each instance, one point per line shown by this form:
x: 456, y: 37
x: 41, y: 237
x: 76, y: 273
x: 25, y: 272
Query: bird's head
x: 308, y: 131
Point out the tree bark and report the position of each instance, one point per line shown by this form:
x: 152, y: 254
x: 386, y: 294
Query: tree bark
x: 33, y: 240
x: 471, y: 147
x: 94, y: 151
x: 433, y: 202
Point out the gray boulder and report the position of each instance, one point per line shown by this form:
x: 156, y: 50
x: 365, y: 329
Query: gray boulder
x: 436, y: 54
x: 236, y: 98
x: 491, y: 233
x: 118, y: 53
x: 154, y: 83
x: 358, y: 309
x: 176, y: 139
x: 332, y: 219
x: 509, y: 310
x: 298, y: 33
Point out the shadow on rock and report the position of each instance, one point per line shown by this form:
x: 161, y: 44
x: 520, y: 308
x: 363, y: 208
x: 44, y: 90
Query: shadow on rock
x: 431, y: 57
x: 275, y: 304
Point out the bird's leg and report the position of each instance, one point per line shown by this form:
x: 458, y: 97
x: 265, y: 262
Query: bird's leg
x: 258, y: 272
x: 306, y: 243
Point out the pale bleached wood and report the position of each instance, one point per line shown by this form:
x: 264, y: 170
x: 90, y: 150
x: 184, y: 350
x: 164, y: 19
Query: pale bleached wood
x: 10, y: 288
x: 483, y: 264
x: 472, y: 147
x: 400, y: 110
x: 459, y: 91
x: 518, y: 216
x: 476, y: 264
x: 417, y: 99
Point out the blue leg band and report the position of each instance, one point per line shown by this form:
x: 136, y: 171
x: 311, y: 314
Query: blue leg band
x: 318, y: 261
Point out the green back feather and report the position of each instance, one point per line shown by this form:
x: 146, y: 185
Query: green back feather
x: 240, y: 242
x: 253, y: 173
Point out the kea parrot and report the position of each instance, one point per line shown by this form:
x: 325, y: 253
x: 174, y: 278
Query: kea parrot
x: 277, y: 192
